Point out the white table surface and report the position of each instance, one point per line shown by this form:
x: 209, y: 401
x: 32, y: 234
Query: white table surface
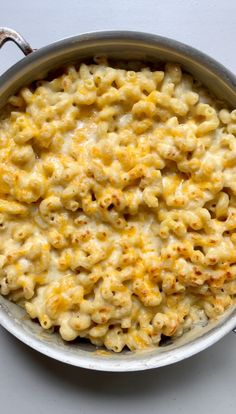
x: 32, y: 383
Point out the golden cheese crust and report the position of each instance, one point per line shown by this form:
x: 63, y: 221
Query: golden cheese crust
x: 118, y: 204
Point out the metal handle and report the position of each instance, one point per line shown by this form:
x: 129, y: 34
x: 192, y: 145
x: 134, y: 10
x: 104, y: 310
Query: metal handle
x: 7, y: 34
x: 234, y: 330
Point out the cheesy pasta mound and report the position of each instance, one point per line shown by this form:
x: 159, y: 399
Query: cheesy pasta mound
x: 118, y: 204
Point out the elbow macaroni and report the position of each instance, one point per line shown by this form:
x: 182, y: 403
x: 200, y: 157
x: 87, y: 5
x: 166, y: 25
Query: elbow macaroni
x: 118, y: 204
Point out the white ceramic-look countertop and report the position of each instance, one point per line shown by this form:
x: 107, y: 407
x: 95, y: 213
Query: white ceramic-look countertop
x: 32, y: 383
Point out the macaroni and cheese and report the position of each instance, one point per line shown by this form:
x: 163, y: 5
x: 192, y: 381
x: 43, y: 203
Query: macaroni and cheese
x: 118, y: 204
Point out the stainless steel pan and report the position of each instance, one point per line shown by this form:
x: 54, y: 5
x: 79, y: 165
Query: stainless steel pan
x: 116, y: 45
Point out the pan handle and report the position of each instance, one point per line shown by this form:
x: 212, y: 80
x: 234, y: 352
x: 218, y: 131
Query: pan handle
x: 7, y: 34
